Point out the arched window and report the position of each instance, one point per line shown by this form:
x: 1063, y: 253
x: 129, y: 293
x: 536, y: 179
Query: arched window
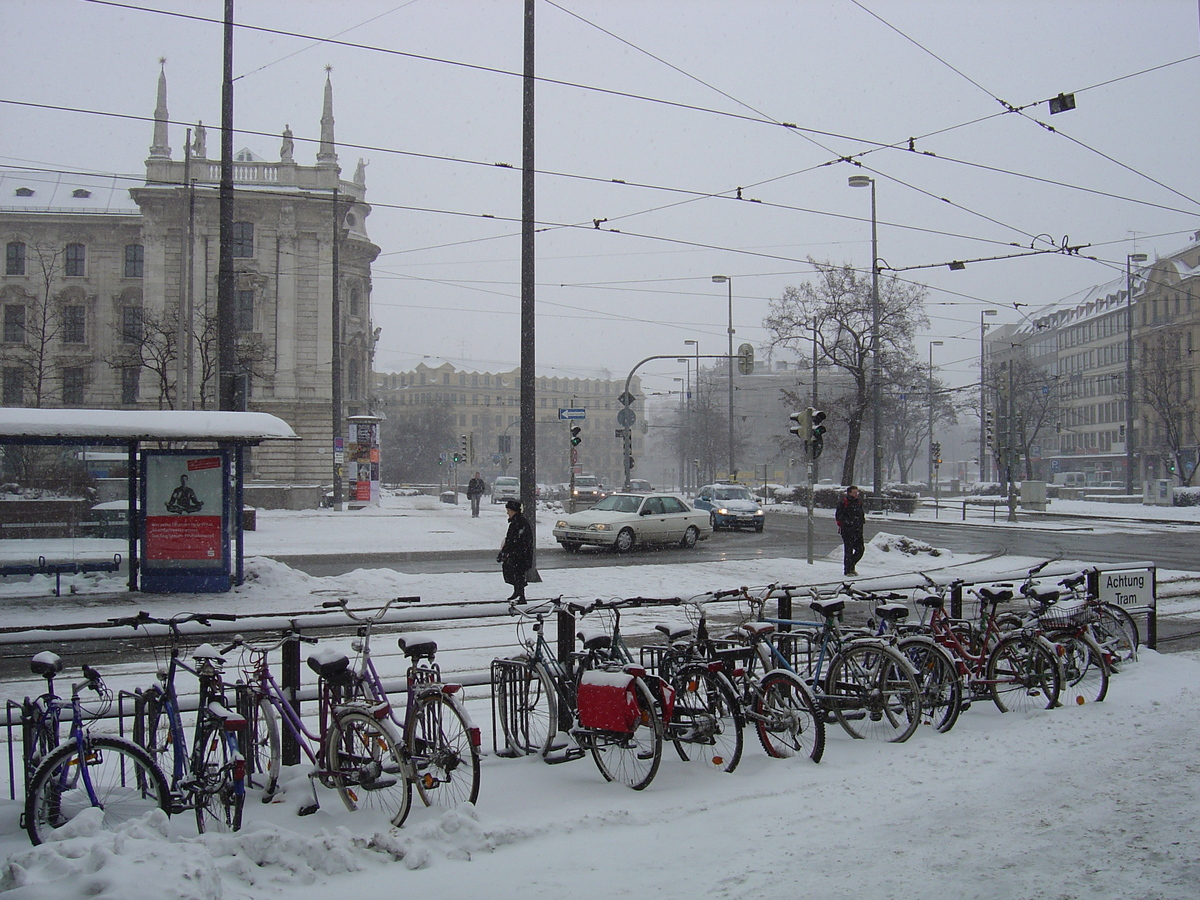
x: 14, y: 258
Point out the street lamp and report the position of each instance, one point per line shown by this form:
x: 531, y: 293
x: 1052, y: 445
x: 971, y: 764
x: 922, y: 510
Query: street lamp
x: 932, y: 344
x: 725, y: 279
x: 983, y: 396
x: 692, y: 404
x: 876, y: 368
x: 1130, y: 259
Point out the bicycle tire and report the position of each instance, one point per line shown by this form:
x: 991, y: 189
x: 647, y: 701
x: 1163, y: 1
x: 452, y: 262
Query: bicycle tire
x: 217, y: 781
x: 1117, y: 631
x: 443, y: 756
x: 1084, y: 668
x: 631, y: 758
x: 366, y: 765
x: 873, y: 693
x: 156, y: 727
x: 528, y: 709
x: 261, y: 746
x: 938, y: 678
x: 708, y: 716
x: 126, y: 780
x: 787, y: 717
x: 1023, y: 674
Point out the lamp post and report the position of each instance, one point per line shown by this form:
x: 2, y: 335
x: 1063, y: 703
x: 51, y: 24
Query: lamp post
x: 692, y: 404
x: 1130, y: 259
x: 682, y: 395
x: 725, y: 279
x: 876, y: 368
x: 929, y: 400
x: 983, y: 396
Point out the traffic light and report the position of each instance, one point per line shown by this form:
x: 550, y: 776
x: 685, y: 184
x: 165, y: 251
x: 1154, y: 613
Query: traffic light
x: 462, y: 448
x: 575, y: 438
x: 990, y: 428
x: 803, y: 426
x: 935, y: 452
x: 817, y: 436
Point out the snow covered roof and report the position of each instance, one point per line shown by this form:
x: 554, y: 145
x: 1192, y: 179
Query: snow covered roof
x: 44, y: 191
x: 123, y: 425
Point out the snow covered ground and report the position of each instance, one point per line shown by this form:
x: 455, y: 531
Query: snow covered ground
x: 1092, y: 801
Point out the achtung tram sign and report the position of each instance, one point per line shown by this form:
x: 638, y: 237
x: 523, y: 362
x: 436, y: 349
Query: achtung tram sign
x: 1131, y: 588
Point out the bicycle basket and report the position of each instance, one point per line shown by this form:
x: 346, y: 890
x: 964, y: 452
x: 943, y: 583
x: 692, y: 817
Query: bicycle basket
x: 1064, y: 616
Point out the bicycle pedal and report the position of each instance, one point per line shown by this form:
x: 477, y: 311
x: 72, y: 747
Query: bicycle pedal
x: 308, y: 809
x: 379, y: 784
x: 570, y: 755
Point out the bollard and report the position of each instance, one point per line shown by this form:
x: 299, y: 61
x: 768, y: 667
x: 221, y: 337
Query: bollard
x: 566, y: 649
x: 290, y: 683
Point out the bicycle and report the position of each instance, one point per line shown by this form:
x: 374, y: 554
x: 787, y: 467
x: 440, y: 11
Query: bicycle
x: 780, y: 705
x: 355, y: 749
x: 868, y: 687
x: 212, y: 779
x: 1017, y: 670
x: 603, y: 702
x: 85, y: 770
x: 440, y: 743
x: 935, y: 669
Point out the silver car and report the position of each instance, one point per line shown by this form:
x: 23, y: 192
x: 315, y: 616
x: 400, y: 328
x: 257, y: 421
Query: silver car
x: 622, y: 521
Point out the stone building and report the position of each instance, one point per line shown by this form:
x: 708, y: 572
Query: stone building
x: 105, y: 280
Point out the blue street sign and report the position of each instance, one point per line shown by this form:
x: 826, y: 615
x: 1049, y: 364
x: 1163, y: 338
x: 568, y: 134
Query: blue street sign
x: 572, y: 413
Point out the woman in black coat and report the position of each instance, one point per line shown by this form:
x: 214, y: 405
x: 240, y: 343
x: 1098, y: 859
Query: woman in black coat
x: 516, y: 553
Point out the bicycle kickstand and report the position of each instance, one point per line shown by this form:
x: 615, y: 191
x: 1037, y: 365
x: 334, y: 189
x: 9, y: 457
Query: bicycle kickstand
x: 309, y: 808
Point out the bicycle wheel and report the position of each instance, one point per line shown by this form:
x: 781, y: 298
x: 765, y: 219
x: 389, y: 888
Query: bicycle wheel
x: 442, y: 752
x: 217, y: 782
x: 260, y: 746
x: 156, y: 723
x: 1023, y: 674
x: 1085, y: 672
x: 1116, y: 631
x: 121, y: 777
x: 788, y: 720
x: 527, y: 706
x: 873, y: 693
x: 937, y: 677
x: 364, y: 759
x: 707, y: 720
x: 631, y: 758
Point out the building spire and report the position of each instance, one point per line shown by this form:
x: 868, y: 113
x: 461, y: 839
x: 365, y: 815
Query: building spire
x: 327, y: 154
x: 160, y: 149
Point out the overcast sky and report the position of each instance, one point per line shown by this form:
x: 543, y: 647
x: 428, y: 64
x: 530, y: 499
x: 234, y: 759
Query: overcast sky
x: 680, y: 101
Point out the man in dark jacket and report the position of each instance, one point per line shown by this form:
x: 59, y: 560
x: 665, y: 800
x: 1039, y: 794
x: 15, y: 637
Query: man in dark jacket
x: 475, y: 490
x: 516, y: 553
x: 850, y: 517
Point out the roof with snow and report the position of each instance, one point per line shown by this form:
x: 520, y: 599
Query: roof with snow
x: 120, y: 426
x: 34, y: 190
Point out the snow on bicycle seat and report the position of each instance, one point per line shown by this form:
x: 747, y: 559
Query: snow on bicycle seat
x: 829, y: 607
x: 1043, y: 595
x: 46, y: 663
x: 932, y: 601
x: 754, y: 629
x: 674, y: 632
x: 892, y: 611
x: 594, y: 638
x: 995, y: 595
x: 417, y: 646
x: 331, y: 664
x: 207, y: 651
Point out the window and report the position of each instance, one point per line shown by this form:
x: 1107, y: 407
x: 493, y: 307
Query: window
x: 14, y: 387
x: 14, y: 258
x: 243, y: 239
x: 14, y: 324
x: 352, y: 381
x: 74, y: 325
x: 131, y: 324
x: 135, y: 255
x: 73, y: 264
x: 244, y: 303
x: 129, y: 385
x: 445, y: 378
x: 355, y: 300
x: 72, y: 386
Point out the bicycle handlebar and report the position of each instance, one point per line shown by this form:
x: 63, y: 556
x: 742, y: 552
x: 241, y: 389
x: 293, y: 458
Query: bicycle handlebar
x: 366, y: 620
x: 240, y: 641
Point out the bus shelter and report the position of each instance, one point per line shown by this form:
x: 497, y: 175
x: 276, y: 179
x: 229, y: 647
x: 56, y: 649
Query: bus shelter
x: 184, y: 472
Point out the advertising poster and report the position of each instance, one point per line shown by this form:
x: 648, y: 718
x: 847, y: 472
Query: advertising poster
x: 184, y: 511
x: 362, y: 460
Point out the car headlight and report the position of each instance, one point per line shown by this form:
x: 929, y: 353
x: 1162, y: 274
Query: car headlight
x: 722, y: 512
x: 575, y: 492
x: 759, y: 512
x: 561, y: 523
x: 599, y: 526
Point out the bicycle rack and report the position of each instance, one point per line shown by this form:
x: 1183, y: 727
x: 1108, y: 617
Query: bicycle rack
x: 508, y: 679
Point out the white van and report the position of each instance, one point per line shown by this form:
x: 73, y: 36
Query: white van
x: 1070, y: 479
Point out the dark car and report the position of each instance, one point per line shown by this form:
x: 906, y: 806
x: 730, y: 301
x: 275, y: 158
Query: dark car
x: 730, y: 506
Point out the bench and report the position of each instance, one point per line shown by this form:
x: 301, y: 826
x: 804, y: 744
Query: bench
x: 58, y: 569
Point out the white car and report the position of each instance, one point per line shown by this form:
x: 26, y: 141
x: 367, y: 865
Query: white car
x: 506, y: 487
x: 621, y: 521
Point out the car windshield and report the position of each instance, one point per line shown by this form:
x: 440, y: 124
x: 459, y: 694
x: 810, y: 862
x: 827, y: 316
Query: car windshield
x: 619, y: 503
x: 586, y: 481
x: 506, y: 482
x: 731, y: 493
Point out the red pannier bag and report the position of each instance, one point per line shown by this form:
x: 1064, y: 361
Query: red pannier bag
x: 608, y: 701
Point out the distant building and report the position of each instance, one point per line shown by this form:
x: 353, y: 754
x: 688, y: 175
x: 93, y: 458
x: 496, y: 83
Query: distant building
x: 486, y: 407
x: 99, y: 273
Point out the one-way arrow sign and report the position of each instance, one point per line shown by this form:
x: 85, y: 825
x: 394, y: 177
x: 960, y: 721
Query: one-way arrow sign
x: 572, y: 413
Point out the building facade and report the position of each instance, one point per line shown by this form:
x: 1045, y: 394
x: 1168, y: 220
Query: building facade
x: 109, y: 290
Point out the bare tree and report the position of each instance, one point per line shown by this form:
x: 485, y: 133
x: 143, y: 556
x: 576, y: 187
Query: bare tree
x: 43, y: 326
x: 701, y: 435
x: 1165, y: 387
x: 839, y: 307
x: 1029, y: 403
x: 411, y: 443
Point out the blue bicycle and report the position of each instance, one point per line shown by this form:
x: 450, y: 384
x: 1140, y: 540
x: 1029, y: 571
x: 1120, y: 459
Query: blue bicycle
x: 85, y: 771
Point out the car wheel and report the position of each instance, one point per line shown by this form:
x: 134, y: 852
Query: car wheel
x: 571, y: 546
x: 759, y: 527
x: 625, y: 541
x: 690, y: 538
x: 715, y: 526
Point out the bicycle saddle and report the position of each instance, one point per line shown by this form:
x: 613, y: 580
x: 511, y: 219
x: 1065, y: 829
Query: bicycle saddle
x: 46, y: 664
x: 892, y: 611
x: 829, y: 607
x: 416, y: 646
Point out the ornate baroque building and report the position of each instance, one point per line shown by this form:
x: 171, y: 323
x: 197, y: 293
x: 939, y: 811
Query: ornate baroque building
x: 103, y: 282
